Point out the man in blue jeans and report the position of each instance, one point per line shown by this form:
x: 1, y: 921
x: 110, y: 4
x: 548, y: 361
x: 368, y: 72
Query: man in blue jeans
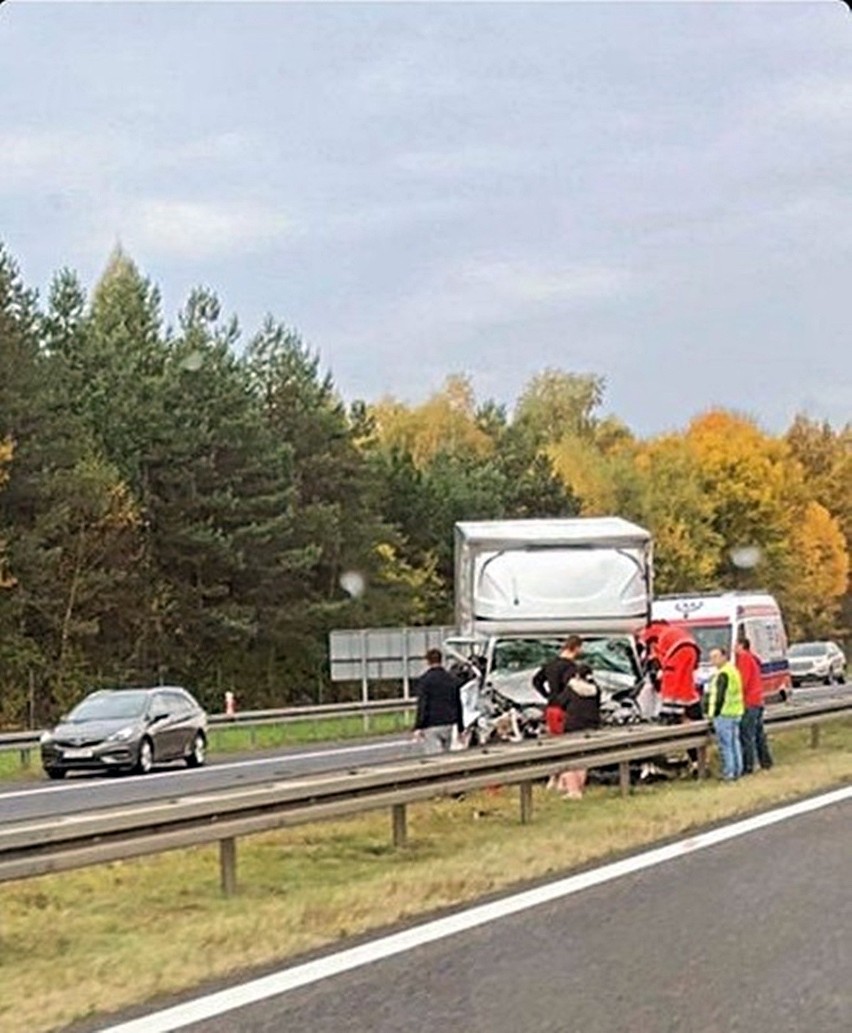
x: 723, y: 705
x: 752, y: 733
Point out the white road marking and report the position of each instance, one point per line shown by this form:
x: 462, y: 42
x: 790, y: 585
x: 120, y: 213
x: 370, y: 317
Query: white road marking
x: 227, y: 766
x: 287, y: 979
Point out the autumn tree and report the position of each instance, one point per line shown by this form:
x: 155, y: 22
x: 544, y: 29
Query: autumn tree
x: 821, y: 574
x: 556, y: 403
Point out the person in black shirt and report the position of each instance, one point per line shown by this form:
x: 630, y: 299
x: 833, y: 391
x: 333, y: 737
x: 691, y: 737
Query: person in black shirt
x: 439, y: 707
x: 552, y: 682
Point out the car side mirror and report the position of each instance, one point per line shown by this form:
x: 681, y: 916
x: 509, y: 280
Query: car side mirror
x: 160, y: 716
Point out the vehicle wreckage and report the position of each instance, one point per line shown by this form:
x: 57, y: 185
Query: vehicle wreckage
x: 524, y: 586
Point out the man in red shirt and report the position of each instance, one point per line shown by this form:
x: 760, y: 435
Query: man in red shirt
x: 752, y: 733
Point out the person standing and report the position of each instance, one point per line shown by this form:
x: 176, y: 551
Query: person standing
x: 439, y: 706
x: 678, y: 654
x: 552, y: 679
x: 582, y: 711
x: 723, y: 705
x: 752, y: 732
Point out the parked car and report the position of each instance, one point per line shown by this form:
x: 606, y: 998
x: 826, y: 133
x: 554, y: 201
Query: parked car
x: 817, y: 661
x: 127, y: 730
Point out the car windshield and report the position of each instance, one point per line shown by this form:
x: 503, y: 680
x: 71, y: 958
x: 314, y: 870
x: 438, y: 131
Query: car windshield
x: 521, y: 654
x: 709, y: 637
x: 601, y: 654
x: 808, y: 649
x: 609, y: 654
x: 108, y: 706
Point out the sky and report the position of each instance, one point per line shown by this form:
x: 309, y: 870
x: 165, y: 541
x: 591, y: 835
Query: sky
x: 659, y: 193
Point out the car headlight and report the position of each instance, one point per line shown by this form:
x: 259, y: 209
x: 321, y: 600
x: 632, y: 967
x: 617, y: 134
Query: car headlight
x: 122, y: 735
x: 46, y: 737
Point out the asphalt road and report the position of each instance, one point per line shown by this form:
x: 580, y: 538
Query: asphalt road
x: 26, y: 800
x: 753, y: 935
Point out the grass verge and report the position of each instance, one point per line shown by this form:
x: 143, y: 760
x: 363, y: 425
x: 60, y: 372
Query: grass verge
x: 233, y: 739
x: 77, y: 944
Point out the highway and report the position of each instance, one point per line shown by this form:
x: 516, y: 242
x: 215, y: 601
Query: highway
x: 22, y: 800
x: 751, y: 934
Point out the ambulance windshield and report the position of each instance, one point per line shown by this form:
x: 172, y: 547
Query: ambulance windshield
x: 710, y: 636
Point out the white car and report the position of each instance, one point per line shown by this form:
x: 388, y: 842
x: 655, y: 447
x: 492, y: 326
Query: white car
x: 817, y: 662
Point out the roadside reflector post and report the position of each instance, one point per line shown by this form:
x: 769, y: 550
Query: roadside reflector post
x: 701, y: 770
x: 624, y: 777
x: 526, y: 802
x: 228, y: 866
x: 814, y: 736
x: 400, y: 830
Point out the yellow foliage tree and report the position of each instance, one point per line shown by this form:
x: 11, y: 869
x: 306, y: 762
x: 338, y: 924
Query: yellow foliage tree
x: 679, y: 513
x: 444, y: 423
x: 587, y: 472
x: 757, y: 492
x: 821, y: 563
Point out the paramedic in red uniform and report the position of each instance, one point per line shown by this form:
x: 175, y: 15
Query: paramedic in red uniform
x: 677, y: 653
x: 755, y: 748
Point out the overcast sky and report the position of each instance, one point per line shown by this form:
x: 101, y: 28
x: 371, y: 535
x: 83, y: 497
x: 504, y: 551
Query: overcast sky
x: 660, y: 193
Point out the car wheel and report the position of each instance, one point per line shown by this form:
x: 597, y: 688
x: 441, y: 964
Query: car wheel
x: 55, y: 773
x: 841, y: 677
x: 145, y: 757
x: 198, y: 753
x: 827, y: 680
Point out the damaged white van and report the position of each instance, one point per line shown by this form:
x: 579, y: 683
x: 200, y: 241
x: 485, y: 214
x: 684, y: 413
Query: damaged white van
x: 522, y: 587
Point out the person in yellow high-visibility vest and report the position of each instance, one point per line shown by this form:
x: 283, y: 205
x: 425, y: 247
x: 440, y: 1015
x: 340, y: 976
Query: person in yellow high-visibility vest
x: 724, y: 706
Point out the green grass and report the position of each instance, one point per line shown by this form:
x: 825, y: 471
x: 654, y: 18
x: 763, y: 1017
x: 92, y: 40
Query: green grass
x: 81, y: 943
x: 234, y: 739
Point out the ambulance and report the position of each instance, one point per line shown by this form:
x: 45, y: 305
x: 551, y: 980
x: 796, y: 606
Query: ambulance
x: 719, y: 619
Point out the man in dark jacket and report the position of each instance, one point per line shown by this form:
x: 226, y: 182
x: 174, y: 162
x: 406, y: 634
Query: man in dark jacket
x: 439, y: 707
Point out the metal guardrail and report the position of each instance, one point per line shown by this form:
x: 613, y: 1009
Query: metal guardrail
x: 29, y: 740
x: 38, y: 847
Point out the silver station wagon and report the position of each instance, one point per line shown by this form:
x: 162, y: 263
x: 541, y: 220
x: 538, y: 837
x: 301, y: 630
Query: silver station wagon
x: 127, y: 730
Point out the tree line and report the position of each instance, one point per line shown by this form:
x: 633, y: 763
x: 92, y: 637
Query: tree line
x: 180, y: 503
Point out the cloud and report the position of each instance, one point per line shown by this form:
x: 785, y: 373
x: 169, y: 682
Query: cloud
x: 201, y: 229
x: 63, y: 159
x: 461, y: 161
x: 812, y: 99
x: 566, y: 285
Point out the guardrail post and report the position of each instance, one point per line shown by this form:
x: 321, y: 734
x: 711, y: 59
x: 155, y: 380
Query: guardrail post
x: 624, y: 777
x: 526, y: 802
x: 400, y: 831
x: 25, y: 758
x: 701, y: 767
x: 814, y: 736
x: 228, y: 866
